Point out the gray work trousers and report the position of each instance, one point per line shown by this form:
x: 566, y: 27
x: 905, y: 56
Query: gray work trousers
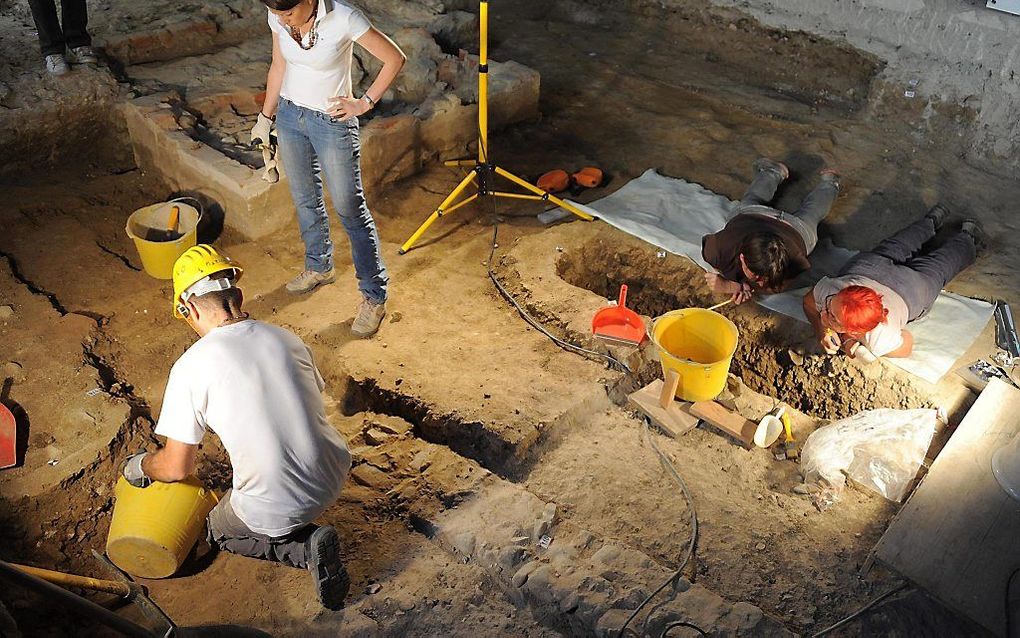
x: 229, y: 533
x: 918, y: 278
x: 805, y: 220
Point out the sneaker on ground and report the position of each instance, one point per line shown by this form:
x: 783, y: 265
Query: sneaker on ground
x: 82, y: 55
x: 308, y: 280
x: 938, y: 214
x: 56, y: 64
x: 327, y: 569
x: 831, y: 175
x: 973, y: 228
x: 370, y: 315
x: 766, y: 164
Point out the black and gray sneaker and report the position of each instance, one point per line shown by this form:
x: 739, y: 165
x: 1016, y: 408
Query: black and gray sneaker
x: 328, y: 572
x: 766, y: 164
x: 938, y: 215
x: 973, y: 228
x: 82, y: 55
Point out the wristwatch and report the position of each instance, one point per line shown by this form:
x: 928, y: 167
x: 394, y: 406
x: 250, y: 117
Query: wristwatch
x: 368, y: 97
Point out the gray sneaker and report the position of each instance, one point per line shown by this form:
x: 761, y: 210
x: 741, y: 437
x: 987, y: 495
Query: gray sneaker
x: 766, y: 164
x: 82, y: 55
x: 370, y: 315
x: 56, y: 64
x: 308, y: 280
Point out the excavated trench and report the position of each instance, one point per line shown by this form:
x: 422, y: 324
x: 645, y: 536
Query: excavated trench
x: 775, y: 355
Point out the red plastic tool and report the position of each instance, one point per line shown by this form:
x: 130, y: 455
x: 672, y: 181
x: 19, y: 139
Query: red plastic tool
x: 619, y: 324
x: 8, y: 431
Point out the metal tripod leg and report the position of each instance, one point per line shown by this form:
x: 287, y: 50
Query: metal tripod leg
x: 538, y: 191
x: 446, y: 207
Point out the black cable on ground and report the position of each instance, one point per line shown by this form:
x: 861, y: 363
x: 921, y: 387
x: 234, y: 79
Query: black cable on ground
x: 861, y: 611
x: 566, y: 345
x: 681, y: 623
x: 675, y: 577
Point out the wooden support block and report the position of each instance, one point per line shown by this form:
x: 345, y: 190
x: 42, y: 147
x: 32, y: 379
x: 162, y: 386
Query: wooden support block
x: 668, y: 394
x: 672, y: 420
x: 729, y: 422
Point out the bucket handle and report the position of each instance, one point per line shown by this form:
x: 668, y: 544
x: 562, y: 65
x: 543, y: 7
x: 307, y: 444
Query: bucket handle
x: 188, y: 198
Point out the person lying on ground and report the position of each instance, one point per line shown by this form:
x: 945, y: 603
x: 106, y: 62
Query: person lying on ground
x: 877, y: 293
x: 256, y: 386
x: 310, y: 98
x: 762, y: 248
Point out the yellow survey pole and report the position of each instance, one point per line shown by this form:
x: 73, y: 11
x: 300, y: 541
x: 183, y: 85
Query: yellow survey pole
x: 483, y: 170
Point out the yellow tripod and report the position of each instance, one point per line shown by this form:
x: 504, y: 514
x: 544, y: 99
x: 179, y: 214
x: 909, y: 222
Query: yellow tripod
x: 482, y: 170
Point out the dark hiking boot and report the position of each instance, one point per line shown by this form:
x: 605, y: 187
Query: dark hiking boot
x: 938, y: 215
x: 328, y: 572
x: 973, y: 228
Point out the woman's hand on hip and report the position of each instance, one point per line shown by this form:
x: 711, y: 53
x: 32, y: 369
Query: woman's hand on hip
x: 347, y: 107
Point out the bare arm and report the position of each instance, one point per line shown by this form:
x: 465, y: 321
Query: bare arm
x: 827, y: 337
x: 274, y: 79
x: 906, y: 347
x: 380, y: 46
x: 173, y: 462
x: 387, y: 52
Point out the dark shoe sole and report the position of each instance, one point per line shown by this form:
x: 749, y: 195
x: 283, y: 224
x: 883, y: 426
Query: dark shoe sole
x: 328, y: 572
x: 308, y: 290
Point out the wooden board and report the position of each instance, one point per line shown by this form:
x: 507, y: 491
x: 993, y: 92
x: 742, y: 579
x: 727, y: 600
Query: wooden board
x: 958, y: 535
x: 672, y: 420
x: 729, y: 422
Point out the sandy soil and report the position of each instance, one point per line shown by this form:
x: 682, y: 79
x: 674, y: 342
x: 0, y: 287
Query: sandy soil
x: 457, y: 397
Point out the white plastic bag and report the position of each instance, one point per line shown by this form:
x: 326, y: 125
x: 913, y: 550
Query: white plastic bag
x: 881, y: 449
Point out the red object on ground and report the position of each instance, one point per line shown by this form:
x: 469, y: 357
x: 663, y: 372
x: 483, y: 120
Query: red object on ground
x: 589, y: 177
x: 619, y: 324
x: 555, y: 181
x: 8, y: 438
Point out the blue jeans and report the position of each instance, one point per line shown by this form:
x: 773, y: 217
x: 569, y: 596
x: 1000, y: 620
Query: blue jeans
x: 313, y: 144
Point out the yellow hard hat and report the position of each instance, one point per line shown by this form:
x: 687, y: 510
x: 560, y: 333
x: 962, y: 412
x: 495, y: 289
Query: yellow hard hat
x: 197, y: 263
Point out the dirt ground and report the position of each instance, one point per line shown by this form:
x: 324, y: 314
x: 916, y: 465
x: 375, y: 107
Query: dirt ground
x: 458, y: 401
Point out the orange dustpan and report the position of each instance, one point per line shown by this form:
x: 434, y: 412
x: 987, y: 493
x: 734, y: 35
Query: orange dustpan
x: 619, y: 324
x: 8, y: 433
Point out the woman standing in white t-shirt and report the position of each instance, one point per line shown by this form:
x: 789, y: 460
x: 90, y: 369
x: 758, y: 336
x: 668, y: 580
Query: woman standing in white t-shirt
x: 310, y: 97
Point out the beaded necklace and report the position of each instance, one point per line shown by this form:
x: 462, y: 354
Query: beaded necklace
x: 313, y: 34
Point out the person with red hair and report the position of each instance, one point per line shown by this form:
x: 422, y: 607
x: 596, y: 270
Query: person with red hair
x: 879, y: 291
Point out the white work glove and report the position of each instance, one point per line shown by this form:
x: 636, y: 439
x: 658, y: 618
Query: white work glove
x: 133, y: 471
x: 261, y: 131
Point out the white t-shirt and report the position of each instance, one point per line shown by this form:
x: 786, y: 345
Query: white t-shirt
x: 256, y: 386
x: 885, y: 337
x: 314, y: 76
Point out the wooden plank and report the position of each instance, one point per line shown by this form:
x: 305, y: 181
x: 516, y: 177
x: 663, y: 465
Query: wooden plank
x: 671, y: 420
x: 956, y: 536
x: 729, y: 422
x: 668, y: 394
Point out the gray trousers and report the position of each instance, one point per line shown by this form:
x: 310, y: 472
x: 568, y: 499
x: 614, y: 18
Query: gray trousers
x: 805, y: 220
x: 918, y: 278
x: 229, y: 533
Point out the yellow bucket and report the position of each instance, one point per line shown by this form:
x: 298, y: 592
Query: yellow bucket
x: 149, y: 227
x: 154, y: 528
x: 698, y: 344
